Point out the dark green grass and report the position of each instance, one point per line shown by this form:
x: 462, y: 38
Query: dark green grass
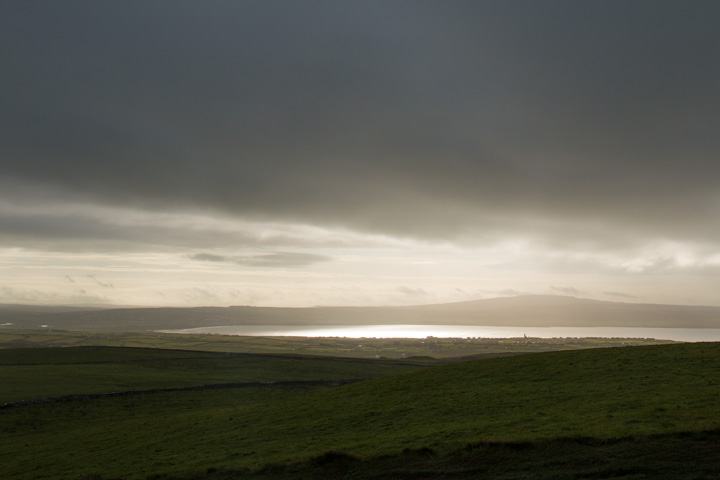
x: 681, y: 456
x: 27, y: 374
x: 134, y: 435
x: 47, y: 356
x: 605, y: 394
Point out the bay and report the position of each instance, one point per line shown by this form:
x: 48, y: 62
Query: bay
x: 458, y: 331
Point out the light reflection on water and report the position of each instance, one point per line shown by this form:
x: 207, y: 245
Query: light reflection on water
x: 463, y: 331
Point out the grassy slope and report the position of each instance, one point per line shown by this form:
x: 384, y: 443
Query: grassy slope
x: 669, y: 456
x: 27, y: 374
x: 603, y: 393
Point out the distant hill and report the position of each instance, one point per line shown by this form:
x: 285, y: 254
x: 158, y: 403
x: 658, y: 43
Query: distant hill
x: 526, y: 310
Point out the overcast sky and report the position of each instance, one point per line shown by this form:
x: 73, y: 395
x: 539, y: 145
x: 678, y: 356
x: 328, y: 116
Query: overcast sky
x: 360, y: 153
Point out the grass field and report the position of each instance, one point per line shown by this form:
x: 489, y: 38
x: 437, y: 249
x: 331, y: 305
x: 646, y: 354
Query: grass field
x: 28, y: 374
x: 613, y: 400
x: 691, y: 456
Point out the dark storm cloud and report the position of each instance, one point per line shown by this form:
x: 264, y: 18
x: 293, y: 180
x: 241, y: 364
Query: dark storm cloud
x: 563, y: 119
x: 77, y: 232
x: 38, y: 221
x: 275, y: 259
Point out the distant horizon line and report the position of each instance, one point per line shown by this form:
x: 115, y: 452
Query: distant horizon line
x: 112, y: 306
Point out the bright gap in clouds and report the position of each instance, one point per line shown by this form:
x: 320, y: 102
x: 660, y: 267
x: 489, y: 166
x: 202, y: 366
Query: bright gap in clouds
x: 192, y: 259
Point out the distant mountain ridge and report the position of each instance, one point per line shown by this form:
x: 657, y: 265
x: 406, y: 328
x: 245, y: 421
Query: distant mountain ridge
x: 526, y: 310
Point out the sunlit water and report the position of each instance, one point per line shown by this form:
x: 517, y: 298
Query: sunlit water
x: 462, y: 331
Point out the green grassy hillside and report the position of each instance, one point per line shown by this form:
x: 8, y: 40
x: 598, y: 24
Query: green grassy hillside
x: 606, y: 394
x: 27, y: 374
x: 679, y: 456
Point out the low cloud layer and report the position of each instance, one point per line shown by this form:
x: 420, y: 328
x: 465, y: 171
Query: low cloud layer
x: 619, y: 295
x: 275, y: 259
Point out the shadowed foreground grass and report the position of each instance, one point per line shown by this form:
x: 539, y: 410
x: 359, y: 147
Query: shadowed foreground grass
x: 27, y: 374
x: 679, y: 456
x: 623, y: 399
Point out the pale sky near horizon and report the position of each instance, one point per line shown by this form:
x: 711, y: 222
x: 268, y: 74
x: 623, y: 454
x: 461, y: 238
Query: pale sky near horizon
x: 291, y: 153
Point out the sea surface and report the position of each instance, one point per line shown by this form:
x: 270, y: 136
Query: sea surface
x: 459, y: 331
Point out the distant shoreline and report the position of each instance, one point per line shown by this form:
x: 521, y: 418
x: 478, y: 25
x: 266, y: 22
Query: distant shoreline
x: 456, y: 331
